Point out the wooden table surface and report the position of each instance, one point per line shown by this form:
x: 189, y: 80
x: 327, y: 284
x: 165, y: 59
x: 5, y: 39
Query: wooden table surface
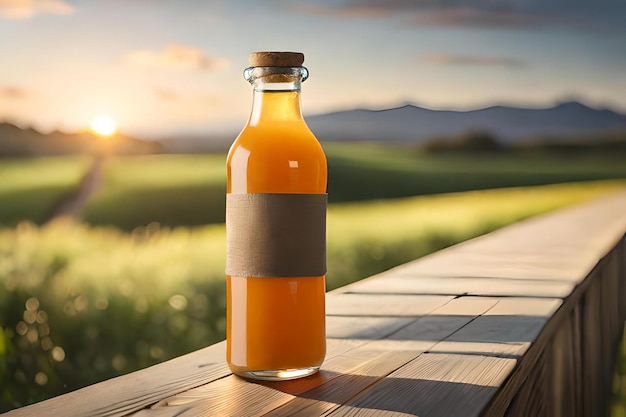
x: 440, y: 336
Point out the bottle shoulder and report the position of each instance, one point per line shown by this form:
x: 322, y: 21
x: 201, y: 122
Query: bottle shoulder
x: 285, y: 140
x: 276, y: 161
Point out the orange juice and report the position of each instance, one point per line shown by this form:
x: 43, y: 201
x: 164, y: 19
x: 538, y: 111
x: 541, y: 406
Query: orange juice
x: 276, y: 324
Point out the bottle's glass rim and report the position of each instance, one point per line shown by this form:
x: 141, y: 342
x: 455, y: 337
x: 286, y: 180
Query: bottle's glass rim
x: 252, y: 73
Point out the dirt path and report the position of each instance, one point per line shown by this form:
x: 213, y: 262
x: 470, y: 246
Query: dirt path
x: 71, y: 204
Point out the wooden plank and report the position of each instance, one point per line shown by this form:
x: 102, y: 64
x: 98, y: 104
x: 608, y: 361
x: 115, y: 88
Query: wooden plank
x: 621, y: 272
x: 609, y: 326
x: 530, y: 364
x: 577, y: 342
x: 563, y: 245
x: 229, y: 396
x: 340, y: 378
x: 221, y: 397
x: 509, y: 327
x: 445, y: 320
x: 375, y: 316
x: 336, y: 347
x: 479, y: 307
x: 436, y: 325
x: 501, y: 329
x: 500, y: 349
x: 132, y: 392
x: 444, y: 285
x: 513, y: 306
x: 125, y: 394
x: 612, y: 280
x: 338, y: 304
x: 311, y: 395
x: 531, y: 398
x: 563, y: 377
x: 388, y: 345
x: 511, y: 320
x: 433, y: 385
x: 331, y: 395
x: 478, y: 263
x: 354, y: 327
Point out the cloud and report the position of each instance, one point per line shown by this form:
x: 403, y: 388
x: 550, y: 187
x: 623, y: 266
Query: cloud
x: 469, y: 60
x: 25, y: 9
x: 177, y: 57
x: 482, y: 18
x: 13, y: 93
x: 476, y: 13
x: 356, y: 11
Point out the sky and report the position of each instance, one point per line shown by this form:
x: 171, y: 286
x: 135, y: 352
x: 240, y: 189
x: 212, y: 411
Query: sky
x: 162, y: 68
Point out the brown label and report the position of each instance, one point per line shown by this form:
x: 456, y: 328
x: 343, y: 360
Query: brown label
x: 276, y: 235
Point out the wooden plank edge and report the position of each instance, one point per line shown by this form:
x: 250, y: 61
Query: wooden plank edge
x: 500, y: 402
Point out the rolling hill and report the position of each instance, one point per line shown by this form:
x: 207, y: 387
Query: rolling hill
x: 15, y: 141
x: 418, y: 125
x: 508, y: 124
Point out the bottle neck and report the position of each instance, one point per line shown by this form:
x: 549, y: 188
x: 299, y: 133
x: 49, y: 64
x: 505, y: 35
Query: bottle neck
x: 276, y: 94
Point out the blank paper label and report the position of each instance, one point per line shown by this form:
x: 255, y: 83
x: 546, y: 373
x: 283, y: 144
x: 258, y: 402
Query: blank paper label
x: 276, y: 235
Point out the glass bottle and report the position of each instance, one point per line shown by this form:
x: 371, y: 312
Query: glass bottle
x: 275, y: 227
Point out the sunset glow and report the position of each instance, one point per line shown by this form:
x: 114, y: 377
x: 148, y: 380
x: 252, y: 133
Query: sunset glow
x: 104, y: 126
x: 92, y: 59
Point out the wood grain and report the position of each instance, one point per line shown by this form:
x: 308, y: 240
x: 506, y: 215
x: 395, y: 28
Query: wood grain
x: 355, y: 327
x: 433, y: 385
x: 122, y: 395
x: 445, y: 320
x: 340, y: 378
x: 511, y: 320
x: 338, y: 304
x: 407, y: 284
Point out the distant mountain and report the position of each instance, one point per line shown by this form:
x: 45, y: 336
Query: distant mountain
x: 507, y: 124
x: 15, y: 141
x: 193, y: 143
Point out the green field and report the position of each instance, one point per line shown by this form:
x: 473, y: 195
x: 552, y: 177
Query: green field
x: 177, y: 190
x: 389, y: 172
x: 171, y: 189
x: 141, y: 279
x: 30, y: 187
x: 188, y: 190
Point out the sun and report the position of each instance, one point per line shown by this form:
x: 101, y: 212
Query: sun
x: 104, y: 126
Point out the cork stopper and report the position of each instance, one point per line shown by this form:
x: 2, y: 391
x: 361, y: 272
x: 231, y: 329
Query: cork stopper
x: 276, y: 59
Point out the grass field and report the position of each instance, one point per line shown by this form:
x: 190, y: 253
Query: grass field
x: 388, y: 172
x: 186, y: 190
x: 30, y: 187
x: 80, y: 304
x: 174, y: 190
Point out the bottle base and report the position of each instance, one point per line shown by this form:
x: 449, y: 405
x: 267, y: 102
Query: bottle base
x: 278, y: 374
